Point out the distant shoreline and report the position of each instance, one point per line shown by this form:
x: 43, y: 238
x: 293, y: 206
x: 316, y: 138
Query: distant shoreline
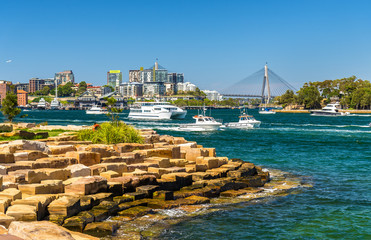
x: 308, y: 111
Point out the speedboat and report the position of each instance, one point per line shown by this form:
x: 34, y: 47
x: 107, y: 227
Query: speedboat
x: 203, y: 123
x: 156, y: 110
x: 265, y: 110
x: 330, y: 110
x: 96, y: 110
x: 245, y: 121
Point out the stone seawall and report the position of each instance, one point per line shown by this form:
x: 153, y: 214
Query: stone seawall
x: 68, y: 185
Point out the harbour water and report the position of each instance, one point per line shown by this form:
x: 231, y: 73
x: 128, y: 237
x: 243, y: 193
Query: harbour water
x: 333, y: 153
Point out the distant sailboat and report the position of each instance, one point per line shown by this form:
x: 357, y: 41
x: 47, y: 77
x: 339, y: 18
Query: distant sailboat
x: 266, y: 99
x: 55, y: 103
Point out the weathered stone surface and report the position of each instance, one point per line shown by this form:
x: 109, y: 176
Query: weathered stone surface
x: 54, y: 162
x: 38, y: 175
x: 104, y: 150
x: 101, y: 229
x: 29, y: 155
x: 193, y: 153
x: 211, y: 162
x: 40, y: 202
x: 44, y: 230
x: 79, y: 170
x: 148, y: 190
x: 87, y: 185
x: 6, y: 157
x: 75, y: 223
x: 109, y: 174
x: 22, y: 212
x: 135, y: 195
x: 163, y: 195
x: 192, y: 200
x: 141, y: 166
x: 61, y: 149
x: 117, y: 167
x: 65, y: 206
x: 3, y: 170
x: 123, y: 199
x: 5, y: 220
x: 135, y: 211
x: 84, y: 157
x: 178, y: 162
x: 45, y: 187
x: 129, y: 147
x: 6, y: 127
x: 11, y: 193
x: 4, y: 203
x: 162, y: 162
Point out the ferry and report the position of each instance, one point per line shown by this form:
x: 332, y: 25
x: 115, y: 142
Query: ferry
x: 156, y: 110
x: 96, y: 110
x: 245, y: 121
x: 330, y: 110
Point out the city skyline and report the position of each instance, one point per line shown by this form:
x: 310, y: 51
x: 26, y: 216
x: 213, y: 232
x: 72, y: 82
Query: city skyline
x: 212, y: 43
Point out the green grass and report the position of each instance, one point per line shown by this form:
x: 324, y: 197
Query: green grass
x: 52, y: 133
x: 111, y: 133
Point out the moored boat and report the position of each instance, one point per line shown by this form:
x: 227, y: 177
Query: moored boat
x: 96, y: 110
x: 245, y: 121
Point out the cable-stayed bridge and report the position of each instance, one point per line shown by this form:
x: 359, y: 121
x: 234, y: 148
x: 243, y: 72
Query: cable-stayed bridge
x: 264, y: 84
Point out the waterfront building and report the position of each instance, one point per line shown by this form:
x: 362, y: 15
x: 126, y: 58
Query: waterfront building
x: 22, y: 86
x: 134, y: 76
x: 97, y: 90
x: 64, y: 77
x: 36, y: 84
x: 114, y: 78
x: 86, y: 100
x: 131, y: 89
x: 186, y: 87
x: 153, y: 89
x: 5, y: 87
x: 22, y: 98
x: 213, y: 95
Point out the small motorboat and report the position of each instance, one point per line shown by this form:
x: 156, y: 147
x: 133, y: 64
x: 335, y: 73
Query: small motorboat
x: 96, y: 110
x: 245, y: 121
x: 265, y: 110
x: 203, y: 123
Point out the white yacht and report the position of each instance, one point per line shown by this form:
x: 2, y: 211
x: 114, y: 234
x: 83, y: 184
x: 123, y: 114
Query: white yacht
x: 96, y: 110
x: 41, y: 104
x: 203, y: 123
x: 330, y: 110
x: 245, y: 121
x: 55, y: 105
x: 156, y: 110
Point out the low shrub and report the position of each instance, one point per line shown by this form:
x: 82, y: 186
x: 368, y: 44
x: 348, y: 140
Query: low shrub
x: 111, y: 133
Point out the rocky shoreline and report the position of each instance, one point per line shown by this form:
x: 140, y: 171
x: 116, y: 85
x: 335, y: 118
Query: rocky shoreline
x: 62, y: 188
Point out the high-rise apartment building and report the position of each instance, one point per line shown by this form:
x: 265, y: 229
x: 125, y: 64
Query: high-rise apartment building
x: 114, y: 78
x: 22, y: 98
x: 36, y: 84
x: 5, y: 87
x: 134, y: 75
x: 132, y: 89
x: 175, y: 78
x: 22, y: 86
x: 64, y: 77
x: 154, y: 89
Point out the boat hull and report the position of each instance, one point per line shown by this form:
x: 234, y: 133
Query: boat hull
x: 178, y: 114
x: 243, y: 125
x: 324, y: 113
x: 95, y: 112
x: 200, y: 127
x: 151, y: 116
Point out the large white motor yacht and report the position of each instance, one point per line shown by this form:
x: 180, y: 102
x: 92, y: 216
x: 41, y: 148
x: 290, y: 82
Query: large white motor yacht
x: 55, y: 104
x: 245, y: 121
x: 41, y: 104
x: 330, y: 110
x: 156, y: 110
x: 96, y: 110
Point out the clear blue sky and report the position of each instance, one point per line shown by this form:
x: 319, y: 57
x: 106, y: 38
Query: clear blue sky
x: 214, y: 43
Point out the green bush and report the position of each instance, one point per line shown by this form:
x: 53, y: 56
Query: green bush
x: 111, y: 133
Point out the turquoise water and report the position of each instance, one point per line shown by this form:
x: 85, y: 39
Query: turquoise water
x: 333, y: 153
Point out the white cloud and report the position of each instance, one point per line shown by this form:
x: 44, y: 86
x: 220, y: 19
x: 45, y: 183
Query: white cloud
x: 8, y: 61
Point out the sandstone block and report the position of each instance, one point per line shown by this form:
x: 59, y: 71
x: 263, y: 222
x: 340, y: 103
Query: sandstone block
x: 87, y: 185
x: 211, y: 162
x: 190, y: 168
x: 66, y: 206
x: 162, y: 162
x: 22, y: 212
x: 193, y: 153
x: 101, y: 229
x: 117, y: 167
x: 61, y: 149
x: 178, y: 162
x: 6, y: 220
x: 109, y: 174
x: 11, y: 193
x: 4, y: 204
x: 148, y: 190
x: 79, y: 170
x: 3, y: 170
x: 84, y: 157
x: 6, y: 157
x: 163, y: 195
x: 129, y: 147
x: 141, y: 166
x: 54, y: 162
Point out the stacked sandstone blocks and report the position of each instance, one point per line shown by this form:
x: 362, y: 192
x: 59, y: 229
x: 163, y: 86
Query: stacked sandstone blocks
x: 78, y: 184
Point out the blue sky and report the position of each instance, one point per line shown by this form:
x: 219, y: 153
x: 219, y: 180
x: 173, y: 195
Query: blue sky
x: 214, y: 43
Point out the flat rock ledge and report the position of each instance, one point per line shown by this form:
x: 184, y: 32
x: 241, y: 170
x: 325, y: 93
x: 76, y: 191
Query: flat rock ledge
x: 61, y: 188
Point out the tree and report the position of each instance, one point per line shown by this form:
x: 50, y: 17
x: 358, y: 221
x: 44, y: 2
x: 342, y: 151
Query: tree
x: 9, y: 105
x: 82, y: 87
x: 45, y: 90
x: 310, y: 97
x: 113, y: 112
x: 287, y: 98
